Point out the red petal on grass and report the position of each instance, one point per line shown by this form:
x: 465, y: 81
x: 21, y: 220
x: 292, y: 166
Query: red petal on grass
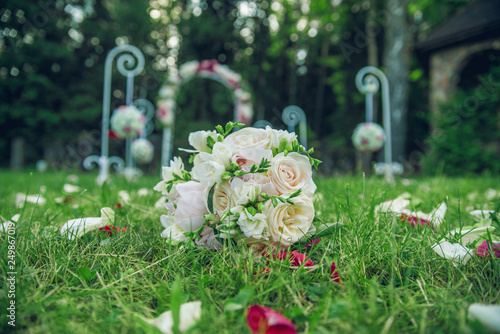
x: 296, y: 258
x: 109, y: 229
x: 263, y: 320
x: 414, y: 220
x: 118, y: 205
x: 484, y: 249
x: 335, y: 274
x: 313, y: 242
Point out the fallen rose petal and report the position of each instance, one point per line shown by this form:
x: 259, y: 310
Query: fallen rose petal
x: 118, y: 205
x: 124, y: 196
x: 413, y: 220
x: 334, y: 274
x: 470, y: 235
x: 484, y: 248
x: 436, y: 217
x: 296, y: 258
x: 69, y: 188
x: 189, y: 313
x: 491, y: 194
x: 75, y: 228
x: 72, y: 178
x: 456, y: 252
x: 488, y: 315
x: 263, y: 320
x: 481, y: 214
x: 35, y: 199
x: 313, y: 242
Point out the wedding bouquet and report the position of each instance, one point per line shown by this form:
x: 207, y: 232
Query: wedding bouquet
x: 252, y: 186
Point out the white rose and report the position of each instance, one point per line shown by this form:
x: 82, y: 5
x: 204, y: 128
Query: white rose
x: 244, y: 192
x: 222, y: 198
x: 188, y: 69
x: 277, y: 135
x: 249, y: 139
x: 288, y: 223
x: 253, y: 226
x: 207, y: 170
x: 198, y: 140
x: 264, y: 181
x: 291, y: 173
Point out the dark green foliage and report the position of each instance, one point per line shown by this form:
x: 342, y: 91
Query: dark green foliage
x: 469, y: 140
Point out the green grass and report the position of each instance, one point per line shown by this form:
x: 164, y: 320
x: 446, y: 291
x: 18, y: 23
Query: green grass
x: 393, y: 281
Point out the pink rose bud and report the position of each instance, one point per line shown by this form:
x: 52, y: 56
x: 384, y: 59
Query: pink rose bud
x: 263, y: 320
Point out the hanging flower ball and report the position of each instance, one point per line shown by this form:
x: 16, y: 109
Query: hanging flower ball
x: 142, y: 151
x: 127, y: 122
x: 165, y: 112
x: 368, y: 137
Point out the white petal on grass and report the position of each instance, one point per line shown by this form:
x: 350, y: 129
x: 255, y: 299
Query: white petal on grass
x: 481, y: 214
x: 436, y: 217
x: 75, y: 228
x: 397, y: 205
x: 15, y: 218
x: 124, y: 196
x: 492, y: 194
x: 488, y: 315
x: 35, y: 199
x: 456, y: 252
x: 69, y: 188
x: 6, y: 226
x: 189, y: 313
x: 143, y: 192
x: 43, y: 189
x: 470, y: 235
x: 59, y: 200
x: 72, y: 178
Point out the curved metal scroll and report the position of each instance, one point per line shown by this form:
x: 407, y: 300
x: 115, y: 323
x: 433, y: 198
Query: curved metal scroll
x: 262, y: 124
x: 129, y: 64
x: 293, y: 115
x: 367, y: 81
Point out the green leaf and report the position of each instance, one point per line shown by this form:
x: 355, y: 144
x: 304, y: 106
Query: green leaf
x: 241, y: 300
x: 219, y: 129
x: 175, y: 303
x: 210, y: 142
x: 86, y: 274
x: 210, y: 199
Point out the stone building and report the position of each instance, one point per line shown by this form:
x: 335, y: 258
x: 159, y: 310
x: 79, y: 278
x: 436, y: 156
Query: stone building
x: 460, y: 44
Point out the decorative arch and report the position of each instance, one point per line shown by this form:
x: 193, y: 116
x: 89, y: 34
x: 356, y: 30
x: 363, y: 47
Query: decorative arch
x: 209, y: 69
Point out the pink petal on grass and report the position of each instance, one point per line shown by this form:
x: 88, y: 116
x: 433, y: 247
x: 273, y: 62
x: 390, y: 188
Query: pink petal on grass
x: 296, y: 258
x: 313, y: 242
x: 484, y: 249
x: 263, y: 320
x: 334, y: 274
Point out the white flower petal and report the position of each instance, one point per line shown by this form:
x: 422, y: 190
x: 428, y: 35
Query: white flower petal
x: 436, y: 217
x: 75, y: 228
x: 69, y: 188
x: 470, y: 235
x: 143, y: 192
x: 481, y: 214
x: 124, y: 196
x: 456, y: 252
x: 35, y: 199
x: 15, y: 218
x: 488, y: 315
x: 189, y: 314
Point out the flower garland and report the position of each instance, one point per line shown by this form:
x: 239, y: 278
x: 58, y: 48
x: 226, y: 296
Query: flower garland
x: 253, y: 186
x: 368, y: 137
x: 210, y: 69
x: 127, y: 122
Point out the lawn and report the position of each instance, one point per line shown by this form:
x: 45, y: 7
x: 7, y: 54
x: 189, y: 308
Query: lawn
x: 393, y: 282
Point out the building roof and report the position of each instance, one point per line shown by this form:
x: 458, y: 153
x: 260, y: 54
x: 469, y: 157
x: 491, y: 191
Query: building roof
x: 480, y: 18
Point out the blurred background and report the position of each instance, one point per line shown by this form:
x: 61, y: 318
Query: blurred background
x: 442, y: 59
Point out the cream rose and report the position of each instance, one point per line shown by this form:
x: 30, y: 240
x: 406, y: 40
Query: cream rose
x: 198, y: 140
x: 223, y: 152
x: 287, y: 223
x: 291, y: 173
x: 249, y: 139
x: 245, y: 159
x: 222, y: 198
